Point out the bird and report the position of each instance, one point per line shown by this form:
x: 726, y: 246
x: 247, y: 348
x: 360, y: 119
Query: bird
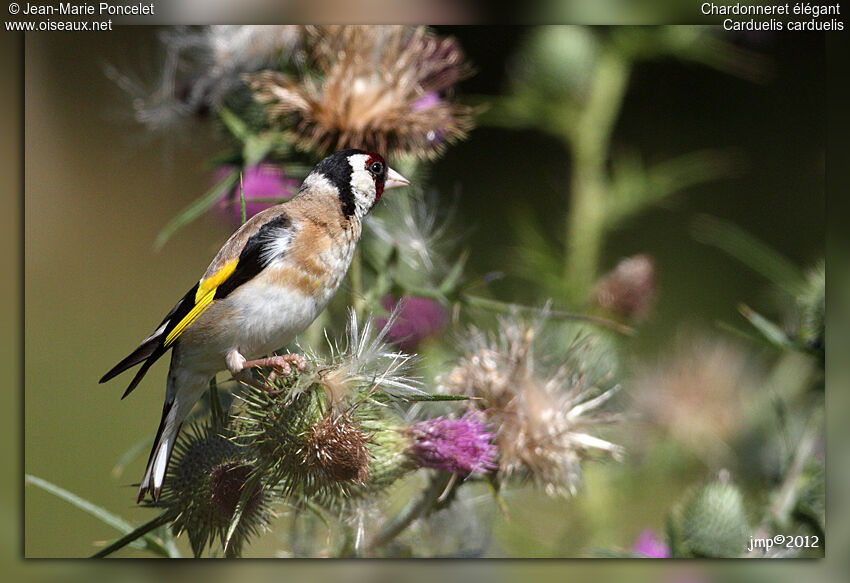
x: 267, y: 284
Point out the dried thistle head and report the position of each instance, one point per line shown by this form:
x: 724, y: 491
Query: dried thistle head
x: 381, y: 88
x: 544, y: 420
x: 207, y: 478
x: 697, y: 392
x: 337, y: 448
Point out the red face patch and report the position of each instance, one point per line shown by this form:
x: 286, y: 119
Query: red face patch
x: 377, y: 167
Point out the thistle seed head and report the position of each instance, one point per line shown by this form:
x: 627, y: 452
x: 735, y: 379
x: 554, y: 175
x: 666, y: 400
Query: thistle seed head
x: 337, y: 448
x: 379, y: 88
x: 544, y: 420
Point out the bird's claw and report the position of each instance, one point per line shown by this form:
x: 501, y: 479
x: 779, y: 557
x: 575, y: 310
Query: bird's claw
x: 280, y: 364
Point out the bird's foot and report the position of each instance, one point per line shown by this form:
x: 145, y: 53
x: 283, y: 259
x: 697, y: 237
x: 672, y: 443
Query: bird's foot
x: 280, y: 364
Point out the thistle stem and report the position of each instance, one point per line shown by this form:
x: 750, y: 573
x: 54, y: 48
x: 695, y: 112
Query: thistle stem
x: 789, y: 492
x: 430, y: 497
x: 139, y: 532
x: 589, y: 141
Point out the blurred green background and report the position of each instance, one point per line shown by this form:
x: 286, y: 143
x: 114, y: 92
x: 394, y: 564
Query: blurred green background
x: 98, y: 192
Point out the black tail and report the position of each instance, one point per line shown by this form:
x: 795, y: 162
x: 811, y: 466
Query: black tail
x: 148, y: 352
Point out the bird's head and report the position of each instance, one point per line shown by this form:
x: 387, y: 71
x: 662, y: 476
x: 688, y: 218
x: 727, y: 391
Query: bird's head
x: 359, y: 178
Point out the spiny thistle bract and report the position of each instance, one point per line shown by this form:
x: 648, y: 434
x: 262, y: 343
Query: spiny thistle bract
x: 544, y: 420
x: 206, y: 480
x: 381, y: 88
x: 329, y: 435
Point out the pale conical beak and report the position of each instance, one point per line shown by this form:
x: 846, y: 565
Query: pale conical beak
x: 394, y: 179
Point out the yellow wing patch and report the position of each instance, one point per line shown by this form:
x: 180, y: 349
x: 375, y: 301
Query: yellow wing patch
x: 203, y: 298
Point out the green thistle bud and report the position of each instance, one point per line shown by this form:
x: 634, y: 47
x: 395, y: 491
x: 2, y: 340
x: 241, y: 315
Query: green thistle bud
x: 389, y: 461
x: 208, y: 476
x: 713, y: 522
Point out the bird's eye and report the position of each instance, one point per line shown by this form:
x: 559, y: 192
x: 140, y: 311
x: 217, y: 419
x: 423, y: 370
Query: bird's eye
x: 376, y: 168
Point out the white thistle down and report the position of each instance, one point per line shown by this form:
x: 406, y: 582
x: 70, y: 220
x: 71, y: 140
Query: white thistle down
x: 410, y: 225
x: 365, y: 364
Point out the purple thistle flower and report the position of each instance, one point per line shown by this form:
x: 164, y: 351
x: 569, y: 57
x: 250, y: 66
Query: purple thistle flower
x: 418, y: 319
x: 650, y: 545
x: 460, y: 446
x: 427, y: 101
x: 264, y: 181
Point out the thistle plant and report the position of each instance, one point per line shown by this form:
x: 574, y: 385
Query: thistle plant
x: 427, y: 393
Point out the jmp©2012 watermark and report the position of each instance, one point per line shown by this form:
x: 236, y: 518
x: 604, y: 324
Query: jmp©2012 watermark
x: 786, y: 541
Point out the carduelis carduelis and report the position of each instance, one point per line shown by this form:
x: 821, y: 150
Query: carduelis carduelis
x: 268, y: 282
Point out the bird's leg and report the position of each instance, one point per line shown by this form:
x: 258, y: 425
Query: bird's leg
x: 240, y: 368
x: 279, y: 362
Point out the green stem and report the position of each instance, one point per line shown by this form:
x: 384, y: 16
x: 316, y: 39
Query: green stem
x: 139, y: 532
x: 414, y: 510
x: 789, y: 492
x: 589, y: 141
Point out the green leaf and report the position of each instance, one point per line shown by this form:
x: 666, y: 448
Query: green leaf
x: 750, y: 251
x: 634, y: 186
x: 770, y: 331
x: 128, y: 456
x: 256, y: 147
x: 242, y: 199
x: 196, y: 209
x: 234, y: 124
x: 451, y: 280
x: 435, y: 398
x: 116, y: 522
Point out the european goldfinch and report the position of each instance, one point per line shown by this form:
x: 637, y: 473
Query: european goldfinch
x: 268, y: 282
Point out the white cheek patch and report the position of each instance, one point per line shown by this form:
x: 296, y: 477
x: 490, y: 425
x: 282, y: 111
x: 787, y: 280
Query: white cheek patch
x: 362, y: 184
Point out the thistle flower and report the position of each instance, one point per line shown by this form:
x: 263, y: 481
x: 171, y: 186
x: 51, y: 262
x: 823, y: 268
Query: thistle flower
x: 460, y: 446
x: 266, y: 182
x: 382, y: 88
x: 207, y: 478
x: 418, y: 319
x: 629, y: 289
x: 650, y: 545
x: 543, y: 420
